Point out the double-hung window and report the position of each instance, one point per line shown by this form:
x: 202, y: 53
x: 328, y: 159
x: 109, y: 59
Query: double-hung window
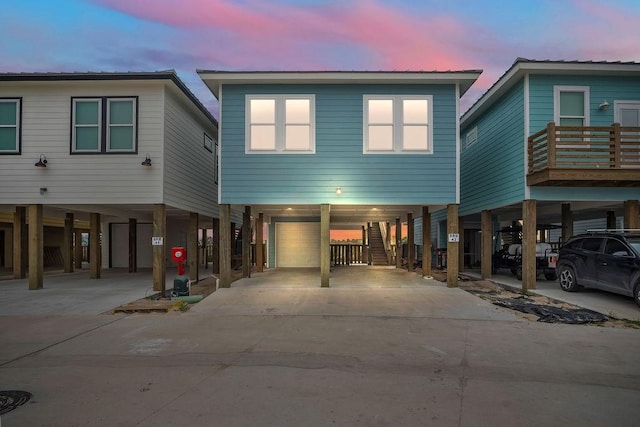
x: 10, y: 125
x: 471, y: 137
x: 397, y: 124
x: 104, y: 125
x: 280, y: 124
x: 571, y: 105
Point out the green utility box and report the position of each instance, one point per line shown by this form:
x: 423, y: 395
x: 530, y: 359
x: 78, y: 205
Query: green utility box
x: 181, y: 286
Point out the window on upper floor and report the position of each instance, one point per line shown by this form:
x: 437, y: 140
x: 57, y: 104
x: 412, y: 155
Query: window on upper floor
x: 397, y: 124
x: 104, y: 125
x: 10, y: 125
x: 208, y: 143
x: 571, y: 105
x: 280, y: 124
x: 471, y: 137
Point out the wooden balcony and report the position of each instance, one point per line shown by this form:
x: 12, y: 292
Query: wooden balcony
x: 584, y: 156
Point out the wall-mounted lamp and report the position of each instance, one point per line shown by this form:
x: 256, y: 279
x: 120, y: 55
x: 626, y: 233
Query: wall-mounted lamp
x: 43, y: 190
x: 146, y: 161
x: 604, y: 105
x: 42, y: 162
x: 338, y: 190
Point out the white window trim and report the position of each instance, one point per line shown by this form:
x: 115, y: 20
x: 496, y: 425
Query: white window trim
x: 17, y: 102
x: 208, y: 143
x: 397, y: 124
x: 132, y: 125
x: 556, y: 101
x: 471, y: 137
x: 280, y: 123
x: 75, y: 126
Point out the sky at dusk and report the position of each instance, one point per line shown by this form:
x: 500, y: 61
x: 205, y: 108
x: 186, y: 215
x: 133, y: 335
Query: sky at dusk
x: 185, y: 35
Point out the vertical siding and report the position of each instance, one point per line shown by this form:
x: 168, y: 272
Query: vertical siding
x: 611, y: 88
x: 339, y: 161
x: 188, y: 181
x: 492, y: 170
x: 80, y: 178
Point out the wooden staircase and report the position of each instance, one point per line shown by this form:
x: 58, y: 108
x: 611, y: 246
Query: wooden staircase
x: 377, y: 254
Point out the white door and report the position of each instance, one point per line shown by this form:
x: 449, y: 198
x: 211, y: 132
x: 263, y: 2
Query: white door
x: 627, y: 113
x: 298, y: 244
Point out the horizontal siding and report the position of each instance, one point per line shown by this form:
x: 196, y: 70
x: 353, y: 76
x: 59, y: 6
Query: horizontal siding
x: 338, y: 161
x: 80, y: 179
x: 189, y: 182
x: 492, y: 170
x: 611, y: 88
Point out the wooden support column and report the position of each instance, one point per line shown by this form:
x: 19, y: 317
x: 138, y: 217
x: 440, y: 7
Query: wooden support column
x: 260, y: 243
x: 388, y: 243
x: 461, y: 244
x: 411, y: 249
x: 225, y: 238
x: 325, y: 247
x: 611, y: 220
x: 426, y: 242
x: 94, y: 245
x: 215, y: 249
x: 77, y: 250
x: 133, y: 245
x: 453, y: 248
x: 529, y: 245
x: 486, y: 248
x: 19, y: 243
x: 369, y: 253
x: 192, y: 250
x: 398, y: 243
x: 567, y: 221
x: 631, y: 213
x: 205, y: 258
x: 36, y: 247
x: 67, y: 243
x: 246, y: 242
x: 160, y: 251
x: 365, y: 249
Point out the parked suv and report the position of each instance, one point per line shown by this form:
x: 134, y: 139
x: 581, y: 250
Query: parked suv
x: 607, y: 260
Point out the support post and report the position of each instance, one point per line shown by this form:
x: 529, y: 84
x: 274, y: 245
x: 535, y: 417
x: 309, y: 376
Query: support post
x: 19, y: 243
x: 325, y: 248
x: 567, y: 221
x: 215, y: 248
x: 78, y: 249
x: 529, y: 245
x: 398, y: 243
x: 159, y: 251
x: 192, y: 250
x: 246, y: 242
x: 94, y: 245
x: 611, y: 220
x: 631, y: 213
x: 225, y: 246
x: 67, y: 244
x: 36, y: 248
x: 426, y: 242
x: 205, y: 258
x: 461, y: 244
x: 260, y: 243
x: 486, y: 249
x: 365, y: 251
x: 133, y: 245
x: 452, y: 247
x: 411, y: 250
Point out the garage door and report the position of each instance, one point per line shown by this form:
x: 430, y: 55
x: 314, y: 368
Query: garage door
x: 298, y: 244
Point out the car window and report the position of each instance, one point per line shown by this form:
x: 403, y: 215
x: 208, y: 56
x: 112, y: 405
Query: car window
x: 616, y: 248
x: 592, y: 244
x: 635, y: 242
x: 573, y: 244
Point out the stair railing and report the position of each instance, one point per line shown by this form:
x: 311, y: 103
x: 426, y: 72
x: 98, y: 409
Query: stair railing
x: 384, y: 231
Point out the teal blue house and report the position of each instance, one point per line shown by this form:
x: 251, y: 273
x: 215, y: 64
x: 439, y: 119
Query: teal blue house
x: 549, y: 142
x: 306, y: 152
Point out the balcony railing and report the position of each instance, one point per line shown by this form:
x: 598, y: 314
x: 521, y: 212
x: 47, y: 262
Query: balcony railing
x: 584, y: 156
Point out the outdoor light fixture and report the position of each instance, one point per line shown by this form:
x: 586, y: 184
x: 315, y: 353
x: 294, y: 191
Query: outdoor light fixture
x: 604, y: 105
x: 338, y: 190
x: 43, y: 190
x: 42, y: 162
x: 146, y: 161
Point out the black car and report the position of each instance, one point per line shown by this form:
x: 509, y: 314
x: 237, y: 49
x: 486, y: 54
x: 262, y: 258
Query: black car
x: 607, y: 260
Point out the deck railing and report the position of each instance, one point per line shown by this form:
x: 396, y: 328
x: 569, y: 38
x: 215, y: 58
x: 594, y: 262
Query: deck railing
x: 347, y: 254
x: 584, y: 147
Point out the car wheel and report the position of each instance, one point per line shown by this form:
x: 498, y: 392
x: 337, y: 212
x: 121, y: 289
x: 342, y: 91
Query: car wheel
x: 567, y: 279
x: 550, y: 276
x: 636, y: 293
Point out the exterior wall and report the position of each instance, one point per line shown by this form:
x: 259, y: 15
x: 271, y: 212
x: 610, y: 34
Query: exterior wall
x: 492, y: 170
x: 188, y: 181
x: 339, y: 158
x: 119, y: 238
x: 80, y: 178
x: 611, y: 88
x: 271, y: 237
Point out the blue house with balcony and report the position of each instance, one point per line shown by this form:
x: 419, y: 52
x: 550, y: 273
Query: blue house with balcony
x: 305, y: 152
x: 550, y: 142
